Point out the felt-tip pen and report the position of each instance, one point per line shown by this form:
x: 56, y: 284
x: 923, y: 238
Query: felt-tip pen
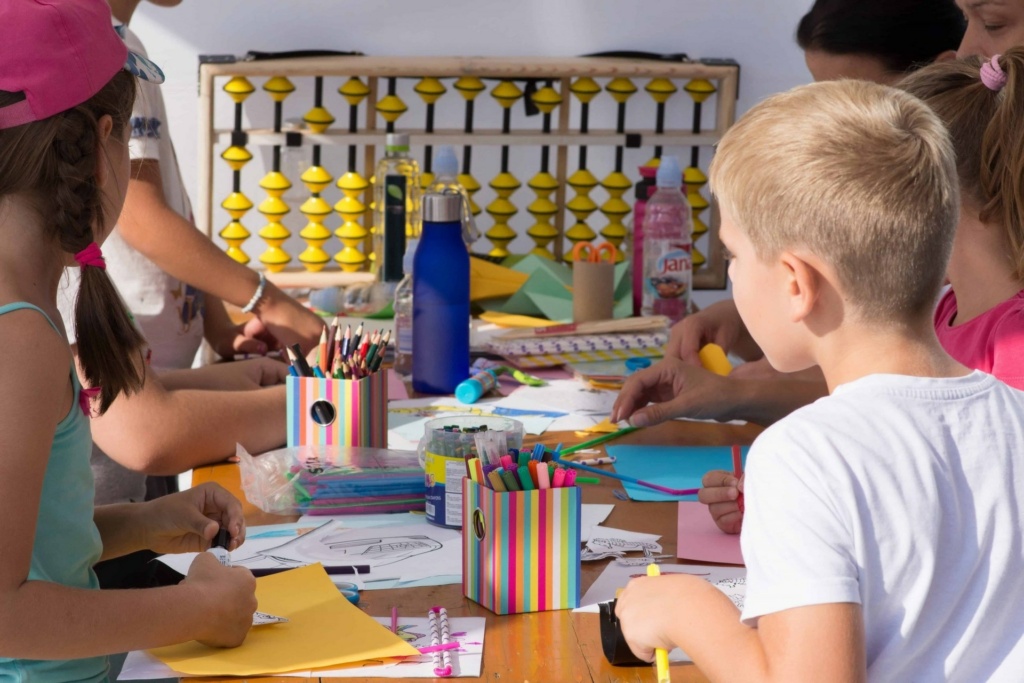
x: 337, y: 569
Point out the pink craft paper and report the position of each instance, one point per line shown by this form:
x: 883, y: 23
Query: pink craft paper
x: 699, y: 539
x: 397, y: 391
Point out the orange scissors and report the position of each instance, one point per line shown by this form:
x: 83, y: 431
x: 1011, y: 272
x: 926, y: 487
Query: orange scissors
x: 586, y: 251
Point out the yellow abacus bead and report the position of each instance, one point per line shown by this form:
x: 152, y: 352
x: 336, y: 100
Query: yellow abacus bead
x: 506, y: 93
x: 546, y: 99
x: 354, y: 91
x: 352, y: 183
x: 273, y: 207
x: 350, y: 259
x: 581, y: 206
x: 579, y: 232
x: 426, y: 180
x: 274, y: 258
x: 235, y: 234
x: 699, y: 227
x: 653, y: 162
x: 316, y: 178
x: 585, y: 89
x: 502, y: 208
x: 543, y: 184
x: 694, y: 178
x: 621, y: 89
x: 661, y: 89
x: 430, y: 89
x: 615, y: 207
x: 469, y: 86
x: 275, y: 183
x: 279, y: 88
x: 582, y: 180
x: 391, y: 107
x: 318, y: 119
x: 237, y: 204
x: 236, y: 156
x: 697, y: 201
x: 313, y: 257
x: 239, y: 88
x: 315, y: 207
x: 700, y: 89
x: 350, y: 207
x: 616, y: 184
x: 472, y: 186
x: 698, y: 258
x: 504, y: 184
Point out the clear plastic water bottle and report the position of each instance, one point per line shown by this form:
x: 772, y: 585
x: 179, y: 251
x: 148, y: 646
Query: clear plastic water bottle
x: 668, y: 246
x: 396, y: 207
x: 403, y: 315
x: 446, y: 181
x: 440, y: 302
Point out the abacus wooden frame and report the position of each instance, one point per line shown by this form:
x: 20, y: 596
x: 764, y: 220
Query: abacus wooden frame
x: 726, y: 77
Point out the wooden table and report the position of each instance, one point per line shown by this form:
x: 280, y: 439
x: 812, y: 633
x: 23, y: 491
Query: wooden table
x: 544, y: 647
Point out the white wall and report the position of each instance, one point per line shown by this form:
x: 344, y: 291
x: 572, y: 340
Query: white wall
x: 757, y: 33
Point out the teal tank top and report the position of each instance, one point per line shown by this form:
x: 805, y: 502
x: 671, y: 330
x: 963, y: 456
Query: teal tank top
x: 67, y: 543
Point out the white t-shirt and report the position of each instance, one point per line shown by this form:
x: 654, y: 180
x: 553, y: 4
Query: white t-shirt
x: 905, y: 495
x: 167, y: 311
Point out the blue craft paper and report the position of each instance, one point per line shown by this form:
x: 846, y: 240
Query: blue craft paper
x: 675, y: 467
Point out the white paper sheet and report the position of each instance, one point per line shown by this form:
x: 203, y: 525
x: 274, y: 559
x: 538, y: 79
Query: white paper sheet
x: 467, y: 661
x: 730, y: 580
x: 565, y: 395
x: 407, y: 419
x: 592, y: 514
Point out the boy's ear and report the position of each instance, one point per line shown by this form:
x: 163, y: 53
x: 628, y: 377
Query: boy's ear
x: 947, y: 56
x: 803, y: 285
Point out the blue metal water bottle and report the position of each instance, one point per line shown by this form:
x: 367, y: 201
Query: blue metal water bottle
x: 440, y: 300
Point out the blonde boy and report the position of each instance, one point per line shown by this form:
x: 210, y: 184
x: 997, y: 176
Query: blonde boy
x: 882, y: 531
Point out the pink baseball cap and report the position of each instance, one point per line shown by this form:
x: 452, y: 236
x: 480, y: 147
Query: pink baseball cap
x: 59, y: 53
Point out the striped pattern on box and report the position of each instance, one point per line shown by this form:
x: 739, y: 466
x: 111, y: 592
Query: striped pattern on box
x: 360, y: 407
x: 521, y: 550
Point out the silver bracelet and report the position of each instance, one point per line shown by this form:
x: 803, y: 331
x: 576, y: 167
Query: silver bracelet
x: 248, y: 308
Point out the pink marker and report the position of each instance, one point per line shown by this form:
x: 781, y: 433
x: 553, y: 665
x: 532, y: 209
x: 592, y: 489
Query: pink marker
x: 570, y: 478
x: 559, y: 479
x: 507, y: 463
x: 543, y: 477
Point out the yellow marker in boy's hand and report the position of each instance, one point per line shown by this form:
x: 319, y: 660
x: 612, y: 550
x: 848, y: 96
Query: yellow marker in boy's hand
x: 660, y: 654
x: 713, y: 358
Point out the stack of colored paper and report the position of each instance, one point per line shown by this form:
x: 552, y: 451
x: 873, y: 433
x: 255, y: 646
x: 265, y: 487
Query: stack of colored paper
x: 323, y: 630
x: 361, y: 481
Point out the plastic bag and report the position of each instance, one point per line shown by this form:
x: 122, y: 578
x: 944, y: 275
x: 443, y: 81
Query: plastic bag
x: 332, y: 480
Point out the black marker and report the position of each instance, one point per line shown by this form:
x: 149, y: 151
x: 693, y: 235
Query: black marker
x: 338, y: 569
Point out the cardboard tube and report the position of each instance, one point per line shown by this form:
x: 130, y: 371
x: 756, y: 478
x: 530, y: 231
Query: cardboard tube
x: 593, y: 291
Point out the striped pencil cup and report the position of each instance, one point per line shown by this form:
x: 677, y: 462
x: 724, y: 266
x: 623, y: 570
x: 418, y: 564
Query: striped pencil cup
x: 521, y: 549
x: 338, y: 412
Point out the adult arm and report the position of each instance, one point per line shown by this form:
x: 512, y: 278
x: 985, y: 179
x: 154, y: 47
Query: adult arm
x: 152, y: 227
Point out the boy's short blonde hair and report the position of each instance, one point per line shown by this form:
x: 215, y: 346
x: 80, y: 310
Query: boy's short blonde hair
x: 862, y: 175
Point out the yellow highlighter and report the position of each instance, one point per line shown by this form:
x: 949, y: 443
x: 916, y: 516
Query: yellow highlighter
x: 713, y: 358
x: 660, y: 655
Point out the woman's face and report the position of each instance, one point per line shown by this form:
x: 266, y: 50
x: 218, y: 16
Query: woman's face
x: 825, y: 66
x: 993, y: 26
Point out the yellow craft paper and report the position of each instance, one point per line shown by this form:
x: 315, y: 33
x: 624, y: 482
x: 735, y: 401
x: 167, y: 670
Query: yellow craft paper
x: 324, y: 629
x: 488, y: 280
x: 604, y: 427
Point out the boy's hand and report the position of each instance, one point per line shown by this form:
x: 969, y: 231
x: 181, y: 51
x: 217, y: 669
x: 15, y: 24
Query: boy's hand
x: 719, y: 323
x: 188, y: 521
x: 676, y: 389
x: 289, y: 321
x: 720, y: 493
x: 228, y: 596
x: 640, y: 609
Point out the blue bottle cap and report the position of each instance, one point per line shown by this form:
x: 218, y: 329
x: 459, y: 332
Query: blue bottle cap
x: 634, y: 364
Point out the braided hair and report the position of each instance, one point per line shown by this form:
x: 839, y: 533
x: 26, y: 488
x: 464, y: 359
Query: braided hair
x: 54, y: 163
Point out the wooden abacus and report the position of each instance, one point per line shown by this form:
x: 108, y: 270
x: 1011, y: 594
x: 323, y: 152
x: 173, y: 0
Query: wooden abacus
x: 572, y: 86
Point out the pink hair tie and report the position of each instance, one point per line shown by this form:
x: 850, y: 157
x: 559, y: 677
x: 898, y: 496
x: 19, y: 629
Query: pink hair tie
x: 84, y: 398
x: 91, y: 256
x: 992, y: 75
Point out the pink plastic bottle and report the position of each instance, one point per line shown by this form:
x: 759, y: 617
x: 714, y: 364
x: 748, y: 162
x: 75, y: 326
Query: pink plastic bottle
x: 644, y: 189
x: 667, y: 256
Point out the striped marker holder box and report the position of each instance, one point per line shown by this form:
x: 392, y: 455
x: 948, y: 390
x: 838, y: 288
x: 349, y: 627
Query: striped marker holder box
x: 521, y: 549
x: 355, y: 412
